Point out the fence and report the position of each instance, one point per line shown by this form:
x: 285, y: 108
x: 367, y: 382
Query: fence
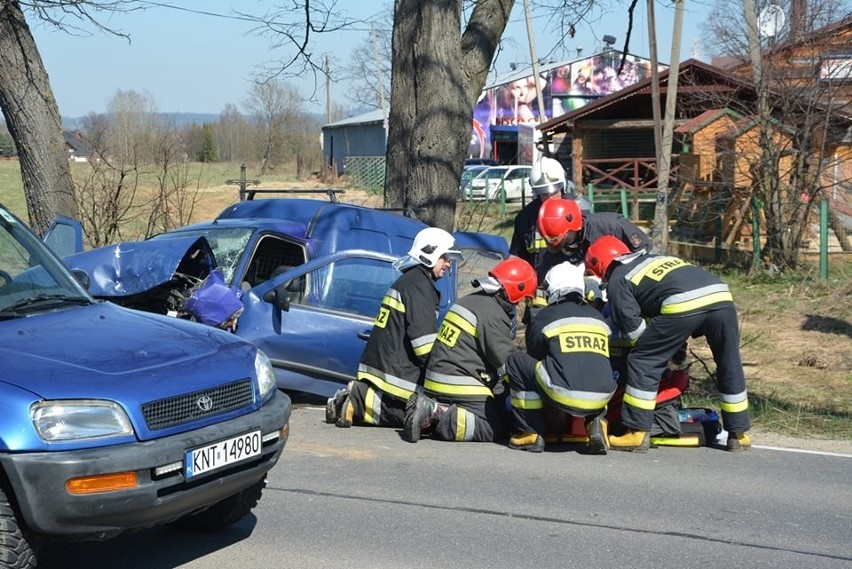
x: 366, y: 172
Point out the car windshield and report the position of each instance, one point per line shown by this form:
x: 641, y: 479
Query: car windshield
x: 496, y: 172
x: 227, y: 243
x: 31, y: 278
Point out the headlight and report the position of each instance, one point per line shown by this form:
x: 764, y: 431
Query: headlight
x: 265, y: 375
x: 82, y: 419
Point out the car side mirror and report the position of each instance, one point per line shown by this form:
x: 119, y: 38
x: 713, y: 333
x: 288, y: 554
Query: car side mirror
x: 82, y: 277
x: 275, y: 297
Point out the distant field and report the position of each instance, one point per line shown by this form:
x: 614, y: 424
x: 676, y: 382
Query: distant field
x: 210, y: 179
x: 12, y: 188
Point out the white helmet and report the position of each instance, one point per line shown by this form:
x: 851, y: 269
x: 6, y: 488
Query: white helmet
x: 547, y: 177
x: 431, y: 244
x: 563, y: 279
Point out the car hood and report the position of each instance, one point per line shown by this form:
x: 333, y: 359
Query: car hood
x: 133, y: 267
x: 84, y: 352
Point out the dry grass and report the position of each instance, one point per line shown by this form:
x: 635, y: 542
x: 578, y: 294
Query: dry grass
x: 796, y: 348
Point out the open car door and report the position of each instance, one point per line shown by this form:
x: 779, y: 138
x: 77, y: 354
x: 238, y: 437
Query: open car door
x: 313, y: 321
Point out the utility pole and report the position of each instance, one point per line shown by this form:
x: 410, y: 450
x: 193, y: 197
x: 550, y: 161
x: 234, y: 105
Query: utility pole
x: 664, y: 159
x: 542, y: 117
x: 659, y: 243
x: 327, y: 71
x: 379, y: 77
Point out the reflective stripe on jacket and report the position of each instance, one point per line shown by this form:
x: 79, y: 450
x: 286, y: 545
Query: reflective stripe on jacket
x: 403, y: 334
x: 473, y: 342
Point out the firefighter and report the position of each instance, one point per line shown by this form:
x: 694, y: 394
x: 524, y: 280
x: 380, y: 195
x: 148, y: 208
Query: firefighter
x: 547, y: 180
x: 659, y: 302
x: 394, y: 359
x: 567, y: 229
x: 567, y: 365
x: 463, y: 393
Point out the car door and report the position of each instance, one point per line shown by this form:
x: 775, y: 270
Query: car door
x: 313, y: 321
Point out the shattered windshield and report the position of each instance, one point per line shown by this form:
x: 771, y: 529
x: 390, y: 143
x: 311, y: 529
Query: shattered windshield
x: 32, y: 279
x: 227, y: 243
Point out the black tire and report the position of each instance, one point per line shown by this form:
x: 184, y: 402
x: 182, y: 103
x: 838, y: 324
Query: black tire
x: 17, y: 550
x: 222, y: 514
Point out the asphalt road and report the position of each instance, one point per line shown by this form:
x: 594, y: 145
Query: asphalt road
x: 363, y: 498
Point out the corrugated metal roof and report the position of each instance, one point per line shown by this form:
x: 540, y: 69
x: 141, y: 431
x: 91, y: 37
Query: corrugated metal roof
x: 372, y: 117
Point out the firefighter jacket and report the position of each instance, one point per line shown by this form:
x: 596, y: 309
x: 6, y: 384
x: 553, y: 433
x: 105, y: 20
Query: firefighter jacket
x: 597, y: 225
x: 473, y: 342
x: 571, y: 341
x: 644, y: 286
x: 527, y: 243
x: 403, y: 334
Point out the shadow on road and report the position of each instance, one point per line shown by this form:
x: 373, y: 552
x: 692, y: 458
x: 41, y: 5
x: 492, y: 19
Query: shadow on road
x: 158, y: 548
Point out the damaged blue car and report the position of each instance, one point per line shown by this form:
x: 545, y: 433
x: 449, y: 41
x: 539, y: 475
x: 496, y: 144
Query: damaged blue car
x: 310, y: 275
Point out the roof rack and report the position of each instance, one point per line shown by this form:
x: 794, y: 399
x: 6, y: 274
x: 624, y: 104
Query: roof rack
x: 246, y: 194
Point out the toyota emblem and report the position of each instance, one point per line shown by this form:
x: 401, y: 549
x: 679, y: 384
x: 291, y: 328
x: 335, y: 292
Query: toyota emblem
x: 205, y: 402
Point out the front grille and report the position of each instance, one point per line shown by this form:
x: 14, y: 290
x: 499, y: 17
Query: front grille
x: 186, y: 408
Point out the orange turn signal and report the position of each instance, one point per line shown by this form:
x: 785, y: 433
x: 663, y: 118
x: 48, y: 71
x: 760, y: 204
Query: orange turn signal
x: 101, y: 483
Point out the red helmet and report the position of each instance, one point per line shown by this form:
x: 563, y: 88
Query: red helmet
x: 517, y: 277
x: 602, y: 252
x: 558, y: 216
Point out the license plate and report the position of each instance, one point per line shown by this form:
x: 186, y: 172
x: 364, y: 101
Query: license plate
x: 223, y: 453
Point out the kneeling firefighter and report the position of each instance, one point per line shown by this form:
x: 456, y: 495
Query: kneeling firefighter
x: 567, y: 365
x: 463, y: 395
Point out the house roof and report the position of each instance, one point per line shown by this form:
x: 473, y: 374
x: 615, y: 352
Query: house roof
x: 376, y: 116
x: 705, y: 118
x: 797, y: 40
x: 74, y: 141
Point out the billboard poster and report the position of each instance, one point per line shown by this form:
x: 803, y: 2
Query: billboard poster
x: 517, y: 101
x: 483, y: 118
x: 564, y: 88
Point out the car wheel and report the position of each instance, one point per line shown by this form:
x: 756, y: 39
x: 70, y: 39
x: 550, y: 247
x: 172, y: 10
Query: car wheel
x: 222, y: 514
x: 17, y: 549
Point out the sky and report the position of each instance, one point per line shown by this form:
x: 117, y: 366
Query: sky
x: 196, y: 56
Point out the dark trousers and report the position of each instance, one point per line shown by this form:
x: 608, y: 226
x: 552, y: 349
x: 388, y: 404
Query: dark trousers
x: 374, y: 407
x: 474, y: 421
x: 521, y: 370
x: 663, y: 337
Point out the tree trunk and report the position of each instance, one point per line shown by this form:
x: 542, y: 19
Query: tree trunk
x: 438, y: 74
x: 32, y: 117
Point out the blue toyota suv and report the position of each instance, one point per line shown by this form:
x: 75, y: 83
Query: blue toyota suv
x: 113, y: 419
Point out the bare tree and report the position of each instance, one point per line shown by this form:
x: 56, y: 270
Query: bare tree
x: 798, y: 118
x: 368, y: 74
x: 29, y: 105
x: 33, y: 119
x: 130, y: 145
x: 276, y: 108
x: 231, y: 134
x: 134, y: 122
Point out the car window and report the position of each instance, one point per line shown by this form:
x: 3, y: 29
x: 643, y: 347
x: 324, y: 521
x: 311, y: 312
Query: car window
x: 228, y: 245
x: 27, y: 270
x: 271, y: 257
x: 355, y: 286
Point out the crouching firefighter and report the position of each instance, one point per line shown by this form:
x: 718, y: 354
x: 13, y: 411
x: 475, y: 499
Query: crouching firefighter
x: 394, y: 359
x: 567, y: 365
x: 463, y: 395
x: 659, y: 301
